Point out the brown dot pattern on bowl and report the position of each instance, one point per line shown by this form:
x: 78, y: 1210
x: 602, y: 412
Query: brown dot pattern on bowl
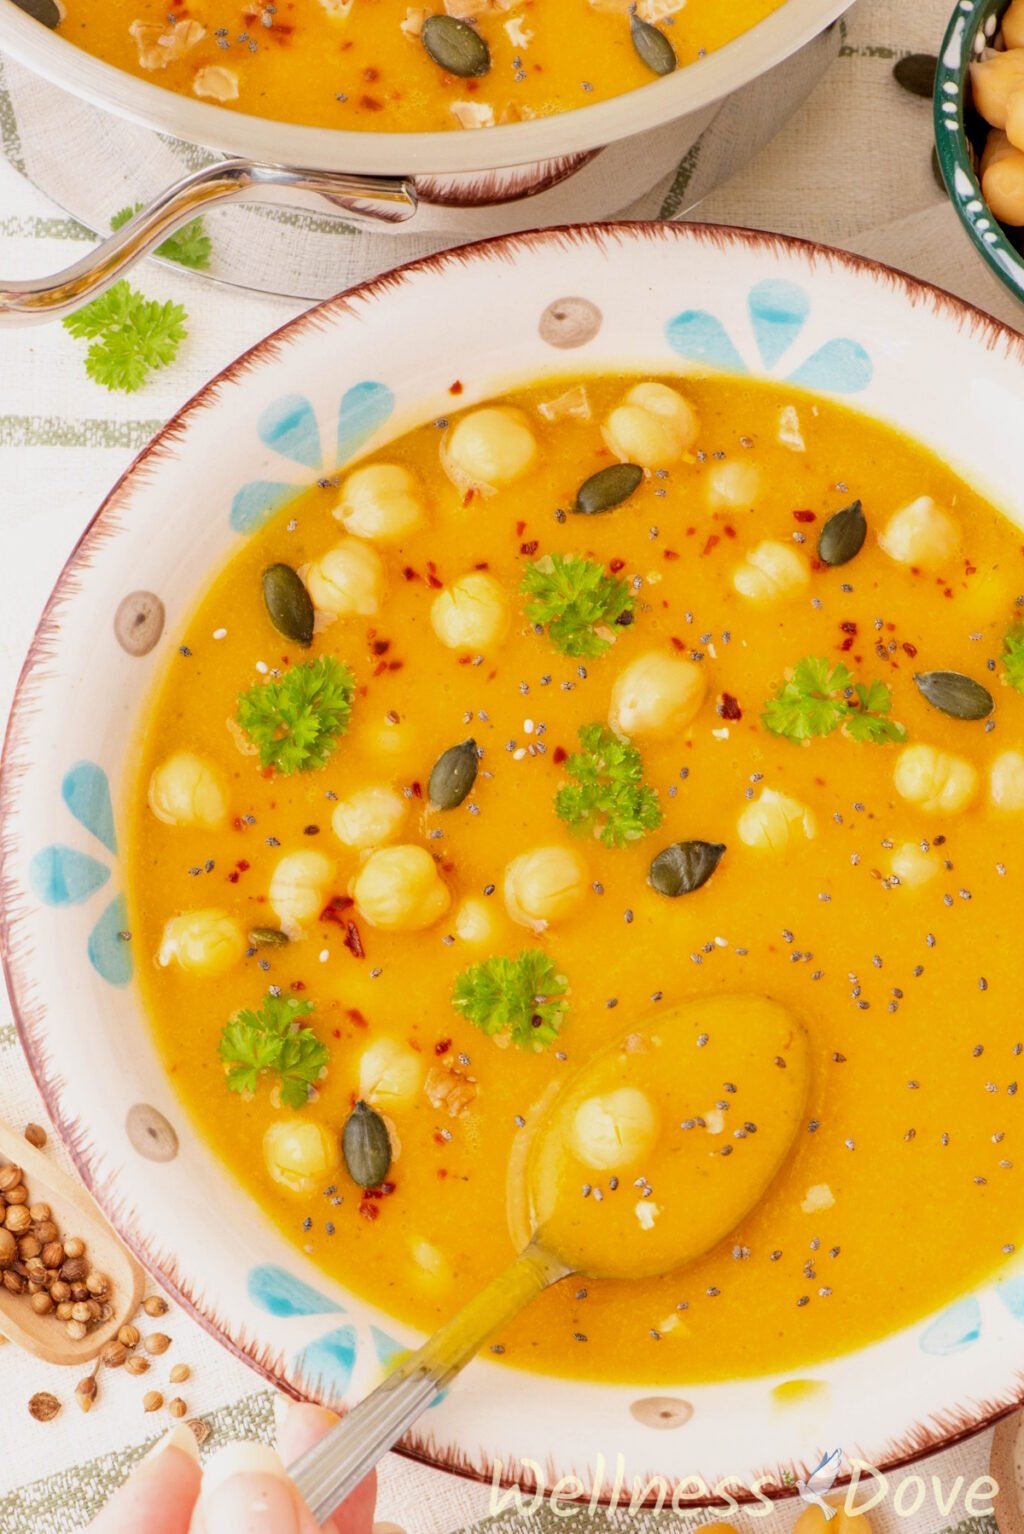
x: 661, y: 1412
x: 570, y: 322
x: 150, y: 1133
x: 139, y: 622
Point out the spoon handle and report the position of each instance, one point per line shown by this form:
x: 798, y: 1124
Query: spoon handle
x: 334, y: 1467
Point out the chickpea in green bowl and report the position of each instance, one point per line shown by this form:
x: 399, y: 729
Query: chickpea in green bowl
x: 979, y: 130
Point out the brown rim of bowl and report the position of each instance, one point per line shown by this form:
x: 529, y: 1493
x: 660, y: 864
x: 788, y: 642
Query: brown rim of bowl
x: 920, y: 1439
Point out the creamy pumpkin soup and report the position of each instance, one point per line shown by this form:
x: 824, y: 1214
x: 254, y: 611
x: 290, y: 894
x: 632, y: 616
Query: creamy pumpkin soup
x: 606, y: 696
x: 387, y: 66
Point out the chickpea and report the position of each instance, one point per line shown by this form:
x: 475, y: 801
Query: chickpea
x: 732, y: 485
x: 369, y: 817
x: 1013, y: 24
x: 921, y: 534
x: 913, y: 867
x: 187, y: 791
x: 1014, y: 125
x: 614, y: 1130
x: 400, y: 889
x: 936, y: 781
x: 475, y: 920
x: 1006, y: 781
x: 206, y: 942
x: 993, y: 82
x: 300, y: 1154
x: 652, y: 426
x: 1002, y: 173
x: 299, y: 888
x: 544, y: 886
x: 390, y: 1075
x: 382, y: 501
x: 347, y: 581
x: 489, y: 449
x: 771, y: 572
x: 774, y: 821
x: 656, y: 695
x: 471, y: 614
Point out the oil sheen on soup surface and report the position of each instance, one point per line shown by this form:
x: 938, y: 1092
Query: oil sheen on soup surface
x: 745, y: 717
x: 365, y: 64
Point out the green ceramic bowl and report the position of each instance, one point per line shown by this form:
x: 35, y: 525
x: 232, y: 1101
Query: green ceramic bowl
x: 960, y: 138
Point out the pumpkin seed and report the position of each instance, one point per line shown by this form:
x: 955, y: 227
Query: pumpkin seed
x: 959, y: 696
x: 652, y: 46
x: 607, y: 488
x: 453, y: 776
x: 46, y: 11
x: 366, y: 1146
x: 455, y: 46
x: 916, y: 73
x: 289, y: 605
x: 684, y: 867
x: 842, y: 537
x: 267, y: 937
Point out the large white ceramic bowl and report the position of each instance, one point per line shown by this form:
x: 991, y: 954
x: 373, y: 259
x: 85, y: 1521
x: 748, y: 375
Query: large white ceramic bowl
x: 330, y: 386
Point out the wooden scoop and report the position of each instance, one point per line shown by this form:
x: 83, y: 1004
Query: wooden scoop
x: 74, y: 1214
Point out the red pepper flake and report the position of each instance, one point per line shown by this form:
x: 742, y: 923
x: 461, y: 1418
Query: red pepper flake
x: 558, y: 755
x: 354, y: 941
x: 381, y: 646
x: 371, y: 104
x: 417, y: 789
x: 369, y: 1210
x: 848, y: 626
x: 371, y: 75
x: 439, y: 1138
x: 970, y: 569
x: 239, y: 824
x: 380, y: 668
x: 729, y: 530
x: 520, y: 529
x: 909, y: 649
x: 233, y: 876
x: 615, y: 565
x: 712, y: 541
x: 470, y: 496
x: 482, y: 564
x: 334, y: 907
x: 847, y: 643
x: 529, y: 548
x: 395, y: 665
x: 728, y: 707
x: 434, y: 582
x: 297, y: 985
x: 442, y: 1046
x: 672, y: 553
x: 442, y: 1173
x: 410, y: 574
x: 456, y: 387
x: 676, y: 642
x: 805, y: 516
x: 355, y: 1017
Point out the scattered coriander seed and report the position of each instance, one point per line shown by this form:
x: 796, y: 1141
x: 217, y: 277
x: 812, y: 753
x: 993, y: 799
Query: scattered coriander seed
x: 136, y: 1364
x: 155, y: 1305
x: 156, y: 1343
x: 177, y: 1407
x: 35, y: 1134
x: 152, y: 1401
x: 129, y: 1335
x: 179, y: 1374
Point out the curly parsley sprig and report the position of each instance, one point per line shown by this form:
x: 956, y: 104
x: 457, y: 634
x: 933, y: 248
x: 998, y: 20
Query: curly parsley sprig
x: 572, y: 596
x: 820, y: 698
x: 1013, y: 656
x: 189, y: 246
x: 271, y: 1039
x: 608, y: 795
x: 521, y: 997
x: 130, y: 336
x: 297, y: 719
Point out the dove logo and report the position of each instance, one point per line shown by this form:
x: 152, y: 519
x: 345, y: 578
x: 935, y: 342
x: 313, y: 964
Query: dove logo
x: 821, y: 1480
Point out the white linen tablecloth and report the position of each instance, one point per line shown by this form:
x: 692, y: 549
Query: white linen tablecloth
x: 851, y: 169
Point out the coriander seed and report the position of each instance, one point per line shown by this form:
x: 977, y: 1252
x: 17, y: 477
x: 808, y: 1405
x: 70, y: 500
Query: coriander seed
x: 136, y: 1365
x: 75, y: 1247
x: 114, y: 1354
x: 35, y: 1134
x: 156, y: 1343
x: 129, y: 1335
x: 155, y: 1305
x: 177, y: 1407
x: 152, y: 1401
x: 180, y: 1373
x: 43, y: 1406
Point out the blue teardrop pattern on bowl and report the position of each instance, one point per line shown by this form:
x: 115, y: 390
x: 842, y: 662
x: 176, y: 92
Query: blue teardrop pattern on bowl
x: 61, y: 876
x: 288, y: 426
x: 778, y: 312
x: 110, y: 953
x: 279, y: 1293
x: 839, y: 367
x: 86, y: 792
x: 958, y: 1327
x: 388, y: 1349
x: 326, y: 1365
x: 703, y: 338
x: 1011, y: 1292
x: 364, y: 409
x: 256, y: 502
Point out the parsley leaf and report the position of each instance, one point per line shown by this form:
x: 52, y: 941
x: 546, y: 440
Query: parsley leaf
x: 1013, y: 656
x: 819, y: 698
x: 296, y: 719
x: 189, y: 246
x: 609, y: 796
x: 130, y: 335
x: 572, y: 595
x: 522, y: 997
x: 271, y: 1040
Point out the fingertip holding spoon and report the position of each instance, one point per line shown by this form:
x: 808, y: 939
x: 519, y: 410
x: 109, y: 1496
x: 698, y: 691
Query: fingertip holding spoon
x: 677, y: 1178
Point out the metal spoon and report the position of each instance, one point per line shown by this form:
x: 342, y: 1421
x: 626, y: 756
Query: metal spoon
x: 752, y: 1043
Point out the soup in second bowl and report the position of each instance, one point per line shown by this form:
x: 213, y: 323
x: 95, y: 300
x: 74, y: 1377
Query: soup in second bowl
x: 386, y: 66
x: 606, y: 695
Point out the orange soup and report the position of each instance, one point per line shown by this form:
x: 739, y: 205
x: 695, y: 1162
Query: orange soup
x: 386, y: 66
x: 608, y: 695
